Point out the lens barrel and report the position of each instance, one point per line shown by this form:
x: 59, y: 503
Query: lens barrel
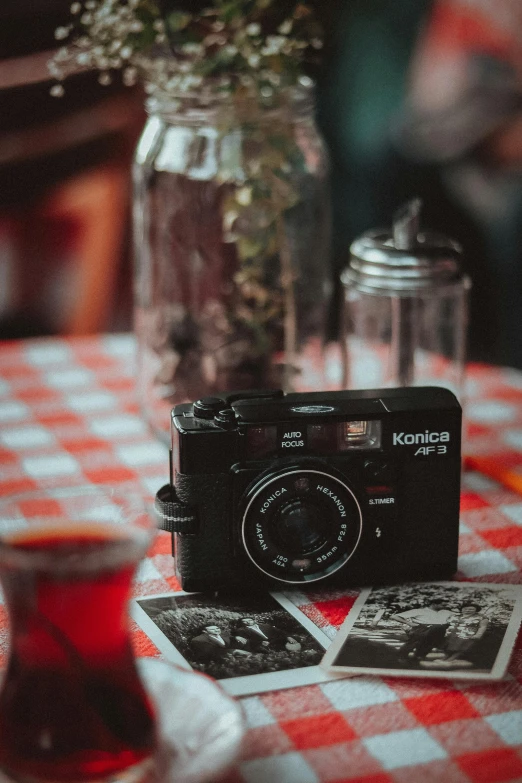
x: 300, y: 524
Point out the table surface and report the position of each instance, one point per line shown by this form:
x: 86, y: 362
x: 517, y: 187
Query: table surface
x: 69, y: 415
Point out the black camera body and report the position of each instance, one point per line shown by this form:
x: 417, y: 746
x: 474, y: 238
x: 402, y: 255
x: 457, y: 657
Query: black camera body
x: 348, y: 488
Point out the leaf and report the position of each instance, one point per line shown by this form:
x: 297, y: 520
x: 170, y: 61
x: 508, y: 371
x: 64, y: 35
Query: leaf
x: 248, y: 248
x: 177, y: 20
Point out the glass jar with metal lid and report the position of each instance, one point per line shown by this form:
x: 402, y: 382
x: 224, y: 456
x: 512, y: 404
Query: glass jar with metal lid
x: 406, y: 308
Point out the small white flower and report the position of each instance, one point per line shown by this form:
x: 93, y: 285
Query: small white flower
x: 244, y: 196
x: 229, y: 218
x: 253, y: 29
x: 286, y: 27
x: 57, y: 91
x: 61, y: 33
x: 274, y: 44
x: 254, y: 60
x: 130, y: 76
x: 105, y: 79
x: 126, y: 52
x: 54, y: 69
x: 277, y: 41
x: 76, y: 8
x: 191, y: 48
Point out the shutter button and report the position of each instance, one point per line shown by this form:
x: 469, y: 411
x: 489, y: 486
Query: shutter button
x: 208, y: 407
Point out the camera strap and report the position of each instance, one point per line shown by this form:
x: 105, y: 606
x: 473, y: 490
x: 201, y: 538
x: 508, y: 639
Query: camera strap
x: 172, y: 514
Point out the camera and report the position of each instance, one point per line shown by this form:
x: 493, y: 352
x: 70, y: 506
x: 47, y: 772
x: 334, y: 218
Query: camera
x: 348, y: 488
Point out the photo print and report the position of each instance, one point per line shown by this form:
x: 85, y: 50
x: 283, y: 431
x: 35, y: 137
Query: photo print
x: 439, y: 629
x: 250, y: 644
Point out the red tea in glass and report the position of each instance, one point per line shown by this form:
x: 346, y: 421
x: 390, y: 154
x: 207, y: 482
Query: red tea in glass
x: 72, y: 706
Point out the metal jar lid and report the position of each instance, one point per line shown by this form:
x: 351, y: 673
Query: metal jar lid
x: 404, y: 261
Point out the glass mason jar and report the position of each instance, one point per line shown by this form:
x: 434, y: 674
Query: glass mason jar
x: 231, y: 230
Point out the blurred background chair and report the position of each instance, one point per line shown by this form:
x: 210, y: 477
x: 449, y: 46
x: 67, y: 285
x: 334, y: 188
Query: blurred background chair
x: 64, y: 185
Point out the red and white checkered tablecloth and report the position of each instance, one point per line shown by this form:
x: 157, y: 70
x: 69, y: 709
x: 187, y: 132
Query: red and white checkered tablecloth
x: 68, y: 415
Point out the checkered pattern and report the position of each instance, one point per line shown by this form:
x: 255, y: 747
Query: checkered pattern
x: 68, y: 415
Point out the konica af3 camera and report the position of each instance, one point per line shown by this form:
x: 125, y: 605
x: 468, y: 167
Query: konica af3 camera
x: 351, y: 488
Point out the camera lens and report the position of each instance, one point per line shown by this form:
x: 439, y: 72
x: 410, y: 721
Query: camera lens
x: 300, y: 527
x: 300, y: 523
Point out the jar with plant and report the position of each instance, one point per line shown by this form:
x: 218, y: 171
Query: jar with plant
x: 231, y: 211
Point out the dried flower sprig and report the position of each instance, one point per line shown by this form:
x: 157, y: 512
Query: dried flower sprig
x: 250, y: 46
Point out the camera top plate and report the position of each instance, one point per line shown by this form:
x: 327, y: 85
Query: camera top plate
x: 368, y: 402
x: 267, y: 406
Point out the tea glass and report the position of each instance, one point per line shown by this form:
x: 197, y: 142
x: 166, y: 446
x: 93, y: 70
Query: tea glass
x: 73, y: 706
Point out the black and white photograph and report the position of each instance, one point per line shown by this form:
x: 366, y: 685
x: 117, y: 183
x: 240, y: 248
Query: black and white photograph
x: 250, y: 644
x: 438, y: 629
